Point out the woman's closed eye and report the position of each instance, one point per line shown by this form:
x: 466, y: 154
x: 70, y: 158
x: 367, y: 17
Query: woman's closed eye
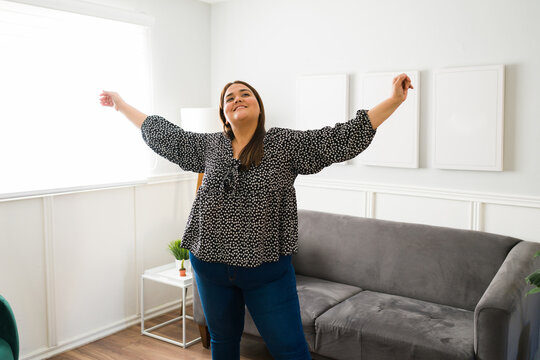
x: 243, y: 95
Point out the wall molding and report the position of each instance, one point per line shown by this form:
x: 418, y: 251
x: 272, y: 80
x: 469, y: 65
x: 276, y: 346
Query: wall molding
x: 48, y: 237
x: 139, y: 252
x: 155, y: 179
x: 476, y: 216
x: 477, y: 211
x: 370, y: 204
x: 477, y: 197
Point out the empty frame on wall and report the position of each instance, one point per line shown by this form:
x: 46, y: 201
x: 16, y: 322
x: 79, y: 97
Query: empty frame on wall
x: 396, y: 141
x: 321, y: 100
x: 468, y: 114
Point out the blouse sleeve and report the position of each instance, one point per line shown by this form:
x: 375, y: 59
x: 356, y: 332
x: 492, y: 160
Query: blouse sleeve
x: 185, y: 148
x: 313, y: 150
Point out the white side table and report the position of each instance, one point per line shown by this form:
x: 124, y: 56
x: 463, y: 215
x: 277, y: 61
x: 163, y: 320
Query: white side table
x: 167, y: 274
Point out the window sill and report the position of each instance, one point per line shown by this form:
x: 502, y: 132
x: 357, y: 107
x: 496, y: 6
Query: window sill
x: 155, y: 179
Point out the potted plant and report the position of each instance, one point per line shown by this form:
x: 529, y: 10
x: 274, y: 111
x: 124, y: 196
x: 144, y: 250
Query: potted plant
x: 181, y: 256
x: 534, y: 279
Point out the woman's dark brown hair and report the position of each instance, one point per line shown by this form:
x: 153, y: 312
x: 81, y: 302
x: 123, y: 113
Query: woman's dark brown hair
x: 252, y: 153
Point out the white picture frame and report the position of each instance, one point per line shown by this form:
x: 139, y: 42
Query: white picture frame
x: 321, y: 100
x: 469, y: 118
x: 396, y: 143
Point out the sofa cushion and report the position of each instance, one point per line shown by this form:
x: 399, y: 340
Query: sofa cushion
x: 431, y: 263
x: 373, y: 325
x: 316, y: 296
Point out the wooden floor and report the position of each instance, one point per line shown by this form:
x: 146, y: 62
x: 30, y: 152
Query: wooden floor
x: 130, y: 344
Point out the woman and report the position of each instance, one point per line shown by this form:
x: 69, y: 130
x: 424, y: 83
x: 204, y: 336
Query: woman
x: 243, y: 225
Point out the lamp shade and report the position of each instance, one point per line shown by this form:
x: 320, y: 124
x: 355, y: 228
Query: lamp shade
x: 201, y: 120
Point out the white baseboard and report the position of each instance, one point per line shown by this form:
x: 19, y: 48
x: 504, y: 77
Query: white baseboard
x: 79, y: 341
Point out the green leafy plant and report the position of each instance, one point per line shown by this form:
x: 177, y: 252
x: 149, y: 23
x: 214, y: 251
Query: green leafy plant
x: 179, y: 252
x: 534, y: 279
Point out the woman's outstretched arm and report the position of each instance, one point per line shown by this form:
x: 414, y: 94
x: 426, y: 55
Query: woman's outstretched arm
x: 185, y: 148
x: 313, y: 150
x: 381, y: 112
x: 110, y: 98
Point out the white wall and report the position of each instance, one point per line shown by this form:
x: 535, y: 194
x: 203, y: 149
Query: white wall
x: 70, y: 264
x: 270, y: 42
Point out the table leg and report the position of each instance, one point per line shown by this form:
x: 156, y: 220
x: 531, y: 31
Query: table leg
x: 142, y: 304
x: 184, y: 316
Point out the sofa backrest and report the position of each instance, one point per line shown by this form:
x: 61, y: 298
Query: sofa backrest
x: 431, y: 263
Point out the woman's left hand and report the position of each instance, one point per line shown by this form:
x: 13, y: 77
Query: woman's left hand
x: 401, y: 85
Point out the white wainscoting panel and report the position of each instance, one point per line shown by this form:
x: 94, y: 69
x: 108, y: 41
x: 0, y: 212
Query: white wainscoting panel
x: 331, y: 200
x: 422, y: 210
x: 73, y: 261
x: 517, y: 221
x: 94, y: 257
x: 162, y: 212
x: 22, y: 269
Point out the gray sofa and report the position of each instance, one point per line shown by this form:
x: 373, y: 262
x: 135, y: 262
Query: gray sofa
x: 375, y: 290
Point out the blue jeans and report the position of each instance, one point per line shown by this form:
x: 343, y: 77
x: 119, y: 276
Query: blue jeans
x: 269, y: 291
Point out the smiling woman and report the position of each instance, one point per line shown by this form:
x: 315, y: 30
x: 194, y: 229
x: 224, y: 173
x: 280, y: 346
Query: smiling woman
x: 243, y: 225
x: 242, y: 112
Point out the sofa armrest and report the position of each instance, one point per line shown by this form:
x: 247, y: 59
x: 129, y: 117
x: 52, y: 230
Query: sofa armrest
x: 506, y: 322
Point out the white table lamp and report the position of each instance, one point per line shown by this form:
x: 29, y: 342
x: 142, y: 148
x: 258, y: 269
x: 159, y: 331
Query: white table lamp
x: 201, y: 120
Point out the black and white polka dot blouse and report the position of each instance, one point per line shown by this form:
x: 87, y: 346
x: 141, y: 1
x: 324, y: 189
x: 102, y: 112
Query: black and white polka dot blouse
x: 246, y: 218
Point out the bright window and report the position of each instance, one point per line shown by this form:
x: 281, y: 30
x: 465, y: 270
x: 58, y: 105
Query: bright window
x: 53, y: 131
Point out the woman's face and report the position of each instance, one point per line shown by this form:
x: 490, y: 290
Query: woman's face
x: 240, y: 106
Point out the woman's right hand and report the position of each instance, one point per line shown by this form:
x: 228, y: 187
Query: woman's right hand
x: 111, y: 98
x: 400, y: 86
